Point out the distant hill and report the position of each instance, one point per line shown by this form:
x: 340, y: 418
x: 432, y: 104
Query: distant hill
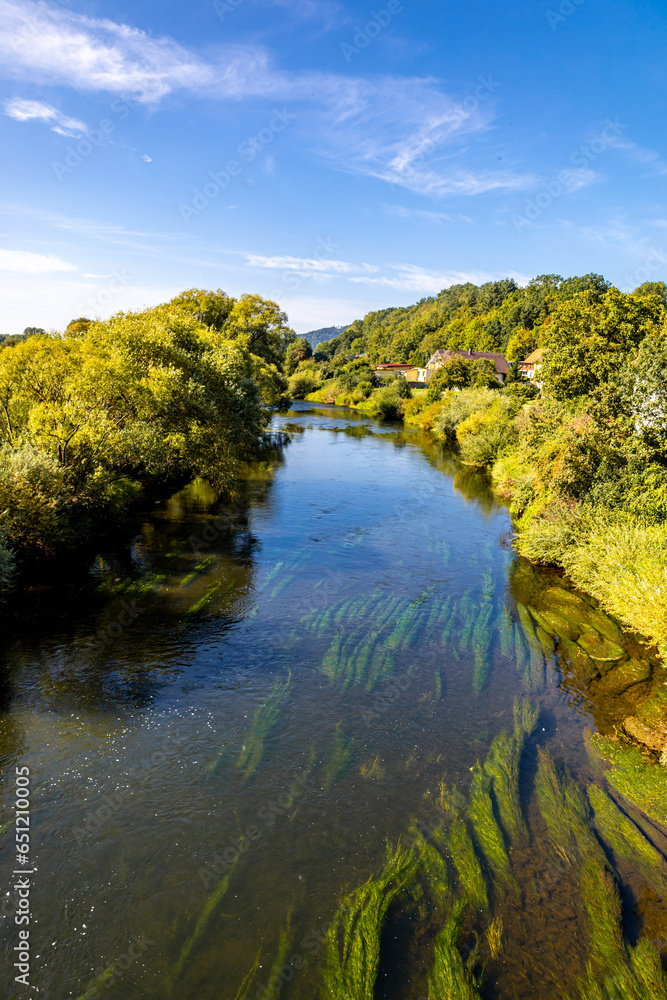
x: 316, y: 337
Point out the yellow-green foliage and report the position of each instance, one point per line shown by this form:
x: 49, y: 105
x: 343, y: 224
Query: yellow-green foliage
x: 633, y: 774
x: 486, y: 433
x: 353, y: 938
x: 624, y: 564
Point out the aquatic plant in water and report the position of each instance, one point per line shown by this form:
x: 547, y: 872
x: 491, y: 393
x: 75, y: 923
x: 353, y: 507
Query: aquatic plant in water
x: 265, y: 719
x: 488, y: 835
x: 451, y: 978
x: 353, y: 937
x: 433, y: 867
x: 502, y: 764
x: 627, y: 840
x: 467, y: 865
x: 339, y: 759
x: 633, y: 774
x: 205, y: 918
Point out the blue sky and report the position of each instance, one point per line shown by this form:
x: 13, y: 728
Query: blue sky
x: 336, y: 157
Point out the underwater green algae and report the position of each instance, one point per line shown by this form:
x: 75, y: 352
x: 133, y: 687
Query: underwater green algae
x: 488, y: 835
x: 353, y: 938
x: 265, y: 719
x: 452, y: 978
x: 503, y: 762
x: 627, y: 840
x: 467, y: 865
x: 204, y: 920
x: 638, y: 778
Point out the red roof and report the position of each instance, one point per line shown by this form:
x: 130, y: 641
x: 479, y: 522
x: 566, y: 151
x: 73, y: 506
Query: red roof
x: 499, y: 362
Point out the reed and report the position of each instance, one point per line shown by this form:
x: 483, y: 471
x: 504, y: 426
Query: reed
x: 265, y: 719
x: 353, y: 937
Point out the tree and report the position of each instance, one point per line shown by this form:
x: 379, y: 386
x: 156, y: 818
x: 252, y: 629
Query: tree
x: 299, y: 350
x: 590, y: 337
x: 77, y: 327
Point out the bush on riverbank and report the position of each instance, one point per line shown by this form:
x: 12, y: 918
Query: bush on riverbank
x: 91, y: 418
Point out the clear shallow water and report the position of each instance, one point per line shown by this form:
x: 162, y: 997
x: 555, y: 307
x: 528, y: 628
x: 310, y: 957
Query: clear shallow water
x: 199, y: 715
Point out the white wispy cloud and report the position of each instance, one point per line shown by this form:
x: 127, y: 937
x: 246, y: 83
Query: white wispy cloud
x: 24, y: 262
x: 403, y: 131
x: 309, y: 265
x: 424, y: 215
x: 651, y: 161
x: 411, y: 277
x: 22, y: 110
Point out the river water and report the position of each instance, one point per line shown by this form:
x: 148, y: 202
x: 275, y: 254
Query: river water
x: 227, y: 720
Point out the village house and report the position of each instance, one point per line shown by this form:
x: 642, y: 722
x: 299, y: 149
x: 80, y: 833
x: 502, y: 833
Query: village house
x: 499, y: 363
x: 531, y: 366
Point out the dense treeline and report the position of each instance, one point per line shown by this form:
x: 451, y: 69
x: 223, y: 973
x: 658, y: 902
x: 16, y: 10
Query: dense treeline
x: 91, y: 418
x: 497, y: 316
x: 583, y: 462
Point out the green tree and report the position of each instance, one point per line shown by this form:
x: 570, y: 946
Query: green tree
x: 590, y: 337
x: 299, y: 350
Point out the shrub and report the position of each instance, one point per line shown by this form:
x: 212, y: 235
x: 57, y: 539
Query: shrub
x: 457, y: 406
x: 387, y: 402
x: 623, y: 563
x: 35, y: 500
x: 486, y: 433
x: 6, y: 563
x: 302, y: 383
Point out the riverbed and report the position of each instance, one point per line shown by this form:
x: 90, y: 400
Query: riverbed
x: 227, y: 721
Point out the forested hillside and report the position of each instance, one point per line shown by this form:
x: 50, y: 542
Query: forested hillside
x: 497, y: 316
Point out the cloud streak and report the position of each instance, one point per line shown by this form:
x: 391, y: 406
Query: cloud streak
x: 22, y: 110
x: 392, y: 129
x: 24, y: 262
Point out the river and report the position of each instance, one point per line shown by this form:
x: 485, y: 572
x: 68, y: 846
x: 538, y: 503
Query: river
x: 212, y: 769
